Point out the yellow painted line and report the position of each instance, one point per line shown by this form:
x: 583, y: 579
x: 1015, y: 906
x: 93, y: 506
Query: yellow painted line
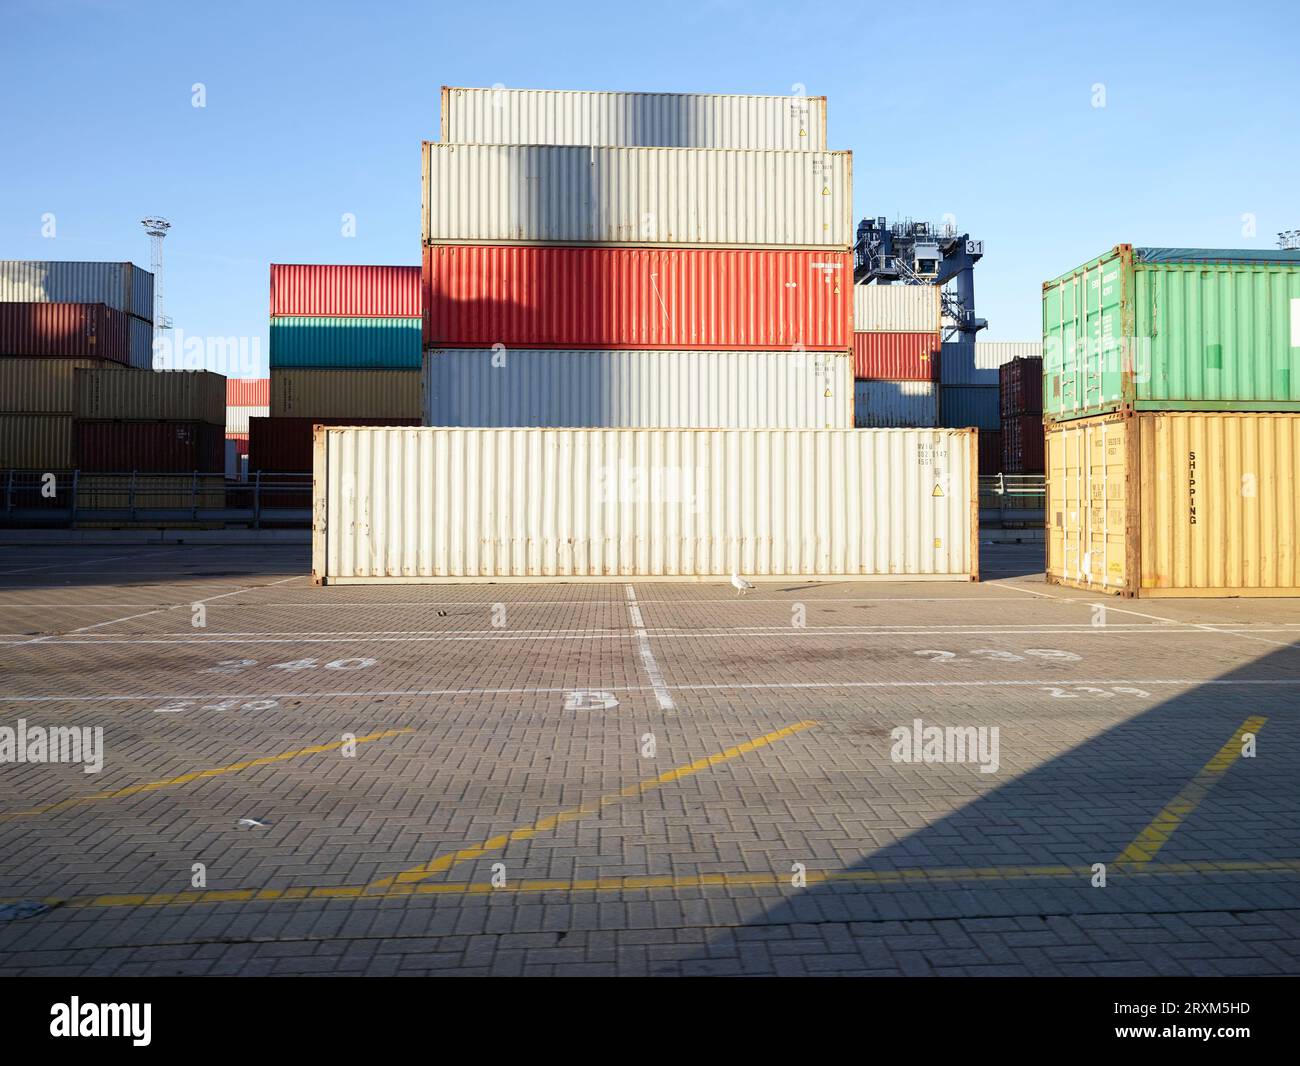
x: 554, y: 821
x: 196, y: 775
x: 665, y: 882
x: 1145, y: 845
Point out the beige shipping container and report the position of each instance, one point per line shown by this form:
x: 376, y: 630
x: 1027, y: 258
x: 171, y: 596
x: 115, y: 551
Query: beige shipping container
x: 554, y: 194
x: 437, y: 504
x: 36, y: 441
x: 639, y: 389
x: 152, y: 395
x: 1175, y: 504
x: 896, y: 308
x: 670, y: 120
x: 44, y: 386
x: 345, y: 393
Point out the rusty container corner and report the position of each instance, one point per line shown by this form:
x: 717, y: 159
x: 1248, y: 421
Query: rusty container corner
x: 319, y: 508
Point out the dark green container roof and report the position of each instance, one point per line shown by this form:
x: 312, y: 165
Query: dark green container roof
x: 1216, y: 255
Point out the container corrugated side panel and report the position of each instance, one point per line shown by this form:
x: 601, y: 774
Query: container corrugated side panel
x: 582, y: 297
x: 668, y: 120
x: 970, y: 405
x: 431, y: 504
x: 122, y: 286
x: 896, y: 356
x: 149, y: 447
x: 1216, y: 336
x: 1220, y: 501
x: 237, y: 417
x: 638, y: 389
x: 897, y: 308
x: 140, y: 343
x: 345, y: 343
x: 36, y: 386
x: 978, y: 362
x: 248, y: 392
x: 284, y: 445
x: 345, y: 393
x: 492, y: 194
x: 147, y: 395
x: 64, y: 329
x: 886, y: 404
x: 345, y: 291
x: 36, y: 442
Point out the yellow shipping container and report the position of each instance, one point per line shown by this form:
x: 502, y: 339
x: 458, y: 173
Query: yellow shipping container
x: 36, y: 442
x: 44, y: 386
x: 345, y: 393
x: 1175, y: 504
x: 152, y: 395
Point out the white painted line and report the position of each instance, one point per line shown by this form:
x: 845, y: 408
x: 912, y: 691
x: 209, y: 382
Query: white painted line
x: 652, y: 671
x: 480, y: 637
x: 516, y: 604
x: 774, y: 686
x: 83, y: 562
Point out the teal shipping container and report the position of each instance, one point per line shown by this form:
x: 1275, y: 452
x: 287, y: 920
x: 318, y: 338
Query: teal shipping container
x: 1173, y: 329
x: 970, y: 405
x: 345, y: 343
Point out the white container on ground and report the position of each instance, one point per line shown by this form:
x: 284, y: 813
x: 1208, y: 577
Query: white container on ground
x: 396, y: 505
x: 548, y: 194
x: 668, y: 120
x: 977, y: 362
x: 896, y: 308
x: 638, y: 389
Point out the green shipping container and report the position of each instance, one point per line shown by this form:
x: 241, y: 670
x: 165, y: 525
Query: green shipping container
x: 1173, y: 329
x: 345, y: 343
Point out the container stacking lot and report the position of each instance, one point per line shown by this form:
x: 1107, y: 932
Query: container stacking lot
x: 638, y: 778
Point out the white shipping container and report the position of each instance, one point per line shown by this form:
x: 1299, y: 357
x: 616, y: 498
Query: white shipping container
x: 669, y: 120
x: 434, y: 504
x: 123, y: 286
x: 883, y: 404
x: 495, y: 194
x: 638, y: 389
x: 977, y: 362
x: 896, y: 308
x: 237, y: 417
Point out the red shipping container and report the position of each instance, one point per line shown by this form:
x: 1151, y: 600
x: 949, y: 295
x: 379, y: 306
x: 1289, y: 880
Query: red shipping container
x: 241, y: 442
x: 990, y: 451
x: 284, y: 445
x: 80, y: 330
x: 345, y: 291
x: 1022, y: 445
x: 603, y: 297
x: 149, y: 447
x: 1020, y: 386
x: 896, y: 356
x: 248, y: 392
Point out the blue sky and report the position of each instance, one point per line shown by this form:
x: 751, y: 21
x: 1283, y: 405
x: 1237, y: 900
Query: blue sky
x: 982, y: 111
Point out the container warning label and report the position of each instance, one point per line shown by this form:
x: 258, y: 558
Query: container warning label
x: 938, y: 491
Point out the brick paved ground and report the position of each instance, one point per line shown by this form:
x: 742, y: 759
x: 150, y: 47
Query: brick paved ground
x: 910, y: 868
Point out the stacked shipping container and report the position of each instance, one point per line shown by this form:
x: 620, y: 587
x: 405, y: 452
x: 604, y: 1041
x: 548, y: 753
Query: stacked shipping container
x: 896, y: 355
x: 56, y: 317
x: 631, y: 260
x: 1020, y: 409
x: 245, y: 398
x: 1171, y: 386
x: 345, y: 345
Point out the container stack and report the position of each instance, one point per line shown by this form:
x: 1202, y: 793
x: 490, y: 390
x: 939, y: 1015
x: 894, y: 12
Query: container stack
x: 969, y: 390
x: 1171, y: 392
x: 631, y: 260
x: 345, y: 349
x: 245, y: 398
x: 896, y: 342
x: 1020, y: 408
x: 56, y: 317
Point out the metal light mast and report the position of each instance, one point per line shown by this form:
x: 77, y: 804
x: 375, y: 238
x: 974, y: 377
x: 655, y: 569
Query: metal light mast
x: 1289, y: 239
x: 157, y: 229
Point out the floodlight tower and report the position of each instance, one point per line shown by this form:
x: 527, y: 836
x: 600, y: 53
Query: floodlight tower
x: 1289, y: 239
x: 157, y: 229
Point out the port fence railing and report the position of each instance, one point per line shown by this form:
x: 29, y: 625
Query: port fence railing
x: 81, y: 498
x: 72, y: 498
